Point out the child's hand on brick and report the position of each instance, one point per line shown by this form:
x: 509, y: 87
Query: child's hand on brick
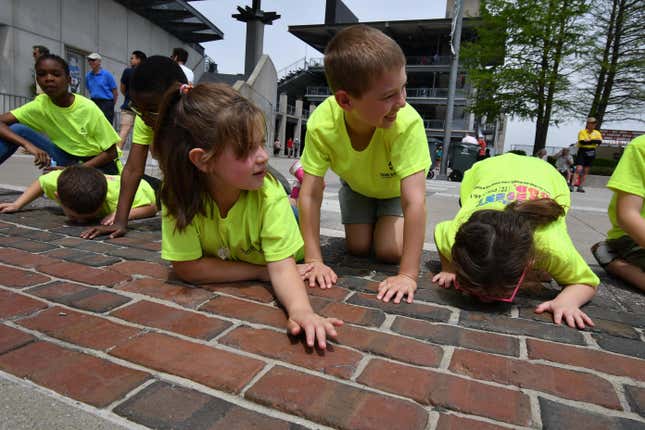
x: 314, y: 326
x: 397, y: 287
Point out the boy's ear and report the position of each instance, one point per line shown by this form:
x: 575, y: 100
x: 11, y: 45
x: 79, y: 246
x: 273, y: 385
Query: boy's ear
x: 343, y: 99
x: 196, y: 156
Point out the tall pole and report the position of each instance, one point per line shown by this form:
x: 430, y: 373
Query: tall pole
x: 455, y: 43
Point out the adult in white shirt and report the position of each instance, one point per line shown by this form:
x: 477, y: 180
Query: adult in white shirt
x: 180, y: 56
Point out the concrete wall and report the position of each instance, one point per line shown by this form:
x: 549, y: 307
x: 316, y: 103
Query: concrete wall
x: 102, y: 26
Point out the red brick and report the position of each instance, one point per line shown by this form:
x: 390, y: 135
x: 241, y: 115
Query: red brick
x: 84, y: 274
x: 79, y: 376
x: 143, y: 268
x: 10, y: 338
x: 415, y: 310
x: 337, y: 361
x: 17, y: 278
x: 564, y: 383
x: 206, y: 365
x: 135, y: 243
x: 26, y: 244
x: 258, y: 291
x: 354, y: 314
x: 13, y: 304
x: 247, y: 311
x: 335, y: 293
x: 179, y: 321
x: 80, y: 296
x: 334, y: 404
x: 448, y: 391
x: 558, y: 416
x: 457, y: 336
x: 454, y: 422
x: 587, y: 358
x: 17, y: 257
x: 190, y: 297
x: 162, y: 405
x: 387, y: 345
x: 85, y: 330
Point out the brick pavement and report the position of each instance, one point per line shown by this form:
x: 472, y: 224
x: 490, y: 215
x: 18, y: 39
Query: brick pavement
x: 107, y: 324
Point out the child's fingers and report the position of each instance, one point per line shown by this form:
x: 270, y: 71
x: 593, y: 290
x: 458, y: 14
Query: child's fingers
x: 293, y: 327
x: 310, y: 334
x: 321, y: 334
x: 542, y: 307
x: 571, y: 322
x: 410, y: 296
x: 586, y: 319
x: 557, y: 317
x: 579, y: 322
x: 398, y: 297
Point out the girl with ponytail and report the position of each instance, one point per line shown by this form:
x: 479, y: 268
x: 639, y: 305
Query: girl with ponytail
x: 225, y: 218
x: 512, y: 222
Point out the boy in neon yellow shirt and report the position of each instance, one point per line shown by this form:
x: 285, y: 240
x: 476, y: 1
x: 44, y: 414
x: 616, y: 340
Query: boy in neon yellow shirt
x: 623, y: 254
x: 376, y: 143
x: 84, y: 194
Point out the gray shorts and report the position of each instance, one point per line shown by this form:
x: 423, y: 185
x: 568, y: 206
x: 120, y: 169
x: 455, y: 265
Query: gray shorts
x: 356, y: 208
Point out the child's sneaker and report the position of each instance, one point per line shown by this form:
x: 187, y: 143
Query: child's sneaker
x: 602, y: 253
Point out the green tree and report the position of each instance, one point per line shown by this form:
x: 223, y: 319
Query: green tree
x: 615, y: 64
x: 520, y: 63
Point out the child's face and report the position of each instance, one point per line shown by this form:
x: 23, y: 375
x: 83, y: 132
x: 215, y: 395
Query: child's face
x: 379, y: 105
x: 52, y: 78
x: 78, y: 218
x: 242, y: 173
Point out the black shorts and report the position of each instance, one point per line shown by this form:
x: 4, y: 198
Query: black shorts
x: 585, y: 157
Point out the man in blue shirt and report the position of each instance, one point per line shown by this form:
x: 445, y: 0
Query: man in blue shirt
x: 102, y: 87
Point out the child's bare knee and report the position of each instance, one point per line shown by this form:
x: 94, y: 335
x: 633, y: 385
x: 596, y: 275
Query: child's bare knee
x: 388, y: 254
x: 358, y: 249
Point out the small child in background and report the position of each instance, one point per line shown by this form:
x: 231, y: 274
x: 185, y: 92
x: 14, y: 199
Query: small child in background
x: 563, y: 163
x: 623, y: 254
x: 376, y: 142
x: 225, y: 218
x: 511, y: 222
x: 85, y: 194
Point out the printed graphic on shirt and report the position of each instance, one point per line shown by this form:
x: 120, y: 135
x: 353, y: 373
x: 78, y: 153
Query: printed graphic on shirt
x: 507, y: 192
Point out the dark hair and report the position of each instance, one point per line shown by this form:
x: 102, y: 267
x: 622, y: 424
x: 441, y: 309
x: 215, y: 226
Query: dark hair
x: 357, y: 55
x: 493, y: 247
x: 56, y: 58
x: 155, y: 75
x: 210, y: 116
x: 42, y: 50
x: 82, y: 188
x: 140, y: 55
x: 181, y: 54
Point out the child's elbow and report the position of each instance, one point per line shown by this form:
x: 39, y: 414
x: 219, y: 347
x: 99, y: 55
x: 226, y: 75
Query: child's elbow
x: 184, y: 271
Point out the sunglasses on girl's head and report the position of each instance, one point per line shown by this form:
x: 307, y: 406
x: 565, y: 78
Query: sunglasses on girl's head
x: 140, y: 112
x: 494, y: 298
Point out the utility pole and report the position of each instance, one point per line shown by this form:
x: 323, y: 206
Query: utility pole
x: 455, y: 43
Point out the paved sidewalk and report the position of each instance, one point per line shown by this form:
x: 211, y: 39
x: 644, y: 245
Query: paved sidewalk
x: 104, y: 328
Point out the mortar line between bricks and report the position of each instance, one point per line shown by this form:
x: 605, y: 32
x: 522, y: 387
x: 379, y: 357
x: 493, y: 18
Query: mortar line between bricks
x: 136, y: 390
x: 387, y: 322
x: 180, y: 380
x: 590, y: 341
x: 454, y: 317
x: 348, y: 296
x: 515, y: 312
x: 267, y: 367
x: 446, y: 358
x: 591, y: 407
x: 433, y: 419
x: 486, y: 420
x: 523, y: 348
x: 223, y: 333
x: 608, y: 376
x: 622, y: 398
x: 536, y: 411
x: 360, y: 367
x: 101, y: 413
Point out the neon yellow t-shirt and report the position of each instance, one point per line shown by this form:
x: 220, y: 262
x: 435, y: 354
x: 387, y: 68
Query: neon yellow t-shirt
x: 628, y: 177
x: 392, y: 155
x: 80, y: 129
x: 144, y: 196
x: 495, y: 182
x: 588, y: 140
x: 142, y: 134
x: 258, y: 229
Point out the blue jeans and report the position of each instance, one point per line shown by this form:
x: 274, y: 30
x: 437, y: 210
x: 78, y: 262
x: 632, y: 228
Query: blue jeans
x: 61, y: 157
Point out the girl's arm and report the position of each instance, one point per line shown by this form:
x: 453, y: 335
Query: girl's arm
x: 41, y: 158
x: 567, y: 305
x: 207, y: 270
x: 628, y: 214
x: 309, y: 201
x: 29, y: 195
x: 143, y: 211
x: 130, y: 178
x: 103, y: 158
x: 413, y: 192
x: 292, y: 294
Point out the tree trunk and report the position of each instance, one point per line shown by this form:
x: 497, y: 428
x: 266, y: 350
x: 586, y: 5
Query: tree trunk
x: 602, y: 74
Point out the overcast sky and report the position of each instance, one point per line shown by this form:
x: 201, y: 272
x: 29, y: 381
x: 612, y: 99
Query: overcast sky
x: 285, y: 49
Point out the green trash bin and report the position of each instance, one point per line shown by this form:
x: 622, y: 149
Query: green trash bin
x: 464, y: 155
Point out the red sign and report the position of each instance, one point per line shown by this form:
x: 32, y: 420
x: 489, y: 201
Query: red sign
x: 619, y: 137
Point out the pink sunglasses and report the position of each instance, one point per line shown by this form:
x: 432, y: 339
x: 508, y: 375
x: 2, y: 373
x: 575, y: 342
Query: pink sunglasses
x: 493, y: 298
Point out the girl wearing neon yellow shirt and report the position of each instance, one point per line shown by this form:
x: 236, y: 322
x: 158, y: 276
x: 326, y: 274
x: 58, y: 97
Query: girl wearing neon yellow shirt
x: 512, y: 221
x: 76, y: 130
x: 224, y: 218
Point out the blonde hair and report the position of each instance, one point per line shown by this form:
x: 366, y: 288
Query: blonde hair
x: 208, y: 116
x: 357, y: 55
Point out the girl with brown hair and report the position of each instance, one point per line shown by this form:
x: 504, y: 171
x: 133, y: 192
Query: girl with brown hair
x: 225, y: 217
x: 512, y: 221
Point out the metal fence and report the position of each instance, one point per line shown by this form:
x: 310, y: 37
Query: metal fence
x: 11, y: 101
